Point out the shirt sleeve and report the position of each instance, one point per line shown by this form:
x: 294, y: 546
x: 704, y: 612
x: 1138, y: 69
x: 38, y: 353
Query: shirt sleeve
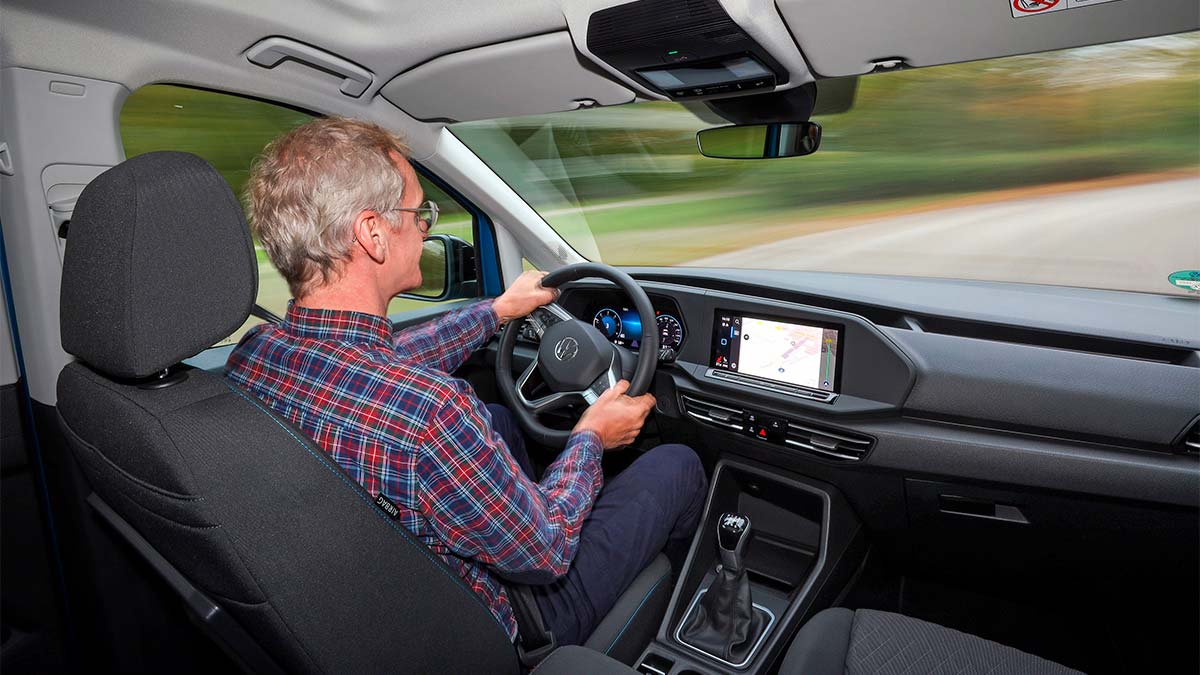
x: 446, y: 342
x: 482, y: 506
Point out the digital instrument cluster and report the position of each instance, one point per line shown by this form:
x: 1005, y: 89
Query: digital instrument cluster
x: 623, y: 327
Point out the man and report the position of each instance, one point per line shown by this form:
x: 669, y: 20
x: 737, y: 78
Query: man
x: 342, y: 216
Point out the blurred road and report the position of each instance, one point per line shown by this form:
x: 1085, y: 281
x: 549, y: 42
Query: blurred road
x: 1127, y: 238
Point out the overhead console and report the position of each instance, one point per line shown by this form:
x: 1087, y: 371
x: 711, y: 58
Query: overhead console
x: 682, y: 49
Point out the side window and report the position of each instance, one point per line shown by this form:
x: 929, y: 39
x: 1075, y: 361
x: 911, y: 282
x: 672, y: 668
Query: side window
x: 229, y: 131
x: 454, y: 220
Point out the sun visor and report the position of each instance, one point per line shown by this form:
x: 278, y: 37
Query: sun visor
x: 539, y: 74
x: 850, y: 38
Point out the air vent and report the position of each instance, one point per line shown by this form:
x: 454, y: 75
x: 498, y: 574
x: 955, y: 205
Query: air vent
x: 828, y: 443
x: 814, y: 439
x: 722, y: 416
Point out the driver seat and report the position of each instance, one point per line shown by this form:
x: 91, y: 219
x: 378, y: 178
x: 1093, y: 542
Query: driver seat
x: 279, y: 555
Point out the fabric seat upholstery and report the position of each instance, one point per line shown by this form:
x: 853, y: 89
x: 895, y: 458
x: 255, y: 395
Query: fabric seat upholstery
x: 632, y: 622
x: 867, y: 642
x: 160, y: 266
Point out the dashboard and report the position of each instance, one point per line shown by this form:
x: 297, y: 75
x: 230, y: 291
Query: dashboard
x: 878, y: 384
x: 734, y: 345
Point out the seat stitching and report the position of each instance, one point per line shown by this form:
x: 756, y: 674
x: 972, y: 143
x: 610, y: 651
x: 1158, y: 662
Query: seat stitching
x: 893, y: 656
x: 922, y: 639
x: 879, y: 646
x: 104, y: 383
x: 943, y: 661
x: 132, y: 478
x: 224, y: 600
x: 356, y: 489
x: 162, y: 517
x: 850, y: 646
x: 994, y: 666
x: 635, y: 612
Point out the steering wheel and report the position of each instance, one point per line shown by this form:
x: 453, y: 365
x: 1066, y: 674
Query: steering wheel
x: 574, y: 360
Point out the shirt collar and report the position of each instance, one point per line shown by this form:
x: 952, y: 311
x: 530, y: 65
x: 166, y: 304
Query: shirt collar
x: 337, y: 325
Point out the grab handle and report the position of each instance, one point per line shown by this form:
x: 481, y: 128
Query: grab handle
x: 270, y: 51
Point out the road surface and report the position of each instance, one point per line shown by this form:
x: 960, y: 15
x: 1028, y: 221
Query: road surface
x: 1127, y: 238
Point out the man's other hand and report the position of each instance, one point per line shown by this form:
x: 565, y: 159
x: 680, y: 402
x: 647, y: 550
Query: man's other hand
x: 525, y: 295
x: 617, y: 418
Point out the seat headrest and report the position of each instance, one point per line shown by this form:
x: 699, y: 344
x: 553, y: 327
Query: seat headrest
x: 159, y: 265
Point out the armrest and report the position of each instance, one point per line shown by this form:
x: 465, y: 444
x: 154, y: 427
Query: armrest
x: 574, y: 659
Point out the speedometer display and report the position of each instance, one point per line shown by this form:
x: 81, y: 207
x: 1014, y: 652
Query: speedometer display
x: 670, y: 333
x: 609, y: 322
x: 621, y: 325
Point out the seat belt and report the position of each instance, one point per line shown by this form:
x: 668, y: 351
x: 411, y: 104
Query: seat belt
x: 534, y: 640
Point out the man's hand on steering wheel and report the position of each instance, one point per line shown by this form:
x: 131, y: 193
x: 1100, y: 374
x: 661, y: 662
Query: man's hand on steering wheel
x: 615, y: 417
x: 525, y: 295
x: 574, y: 363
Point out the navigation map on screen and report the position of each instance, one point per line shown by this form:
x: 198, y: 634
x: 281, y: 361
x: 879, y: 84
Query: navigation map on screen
x: 793, y: 353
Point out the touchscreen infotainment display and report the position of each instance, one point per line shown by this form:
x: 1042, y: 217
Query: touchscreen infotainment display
x: 788, y: 352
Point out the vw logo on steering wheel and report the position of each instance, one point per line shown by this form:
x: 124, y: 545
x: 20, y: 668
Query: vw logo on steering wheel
x: 566, y: 349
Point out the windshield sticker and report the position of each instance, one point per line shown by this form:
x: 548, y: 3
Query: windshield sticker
x: 1188, y: 280
x: 1022, y: 8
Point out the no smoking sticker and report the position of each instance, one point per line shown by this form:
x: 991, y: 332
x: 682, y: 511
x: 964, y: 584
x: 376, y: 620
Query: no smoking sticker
x: 1022, y: 8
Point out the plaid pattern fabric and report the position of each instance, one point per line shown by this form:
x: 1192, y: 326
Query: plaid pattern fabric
x: 385, y: 407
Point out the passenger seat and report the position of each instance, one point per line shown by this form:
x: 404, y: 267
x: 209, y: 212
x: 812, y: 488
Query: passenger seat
x: 866, y: 642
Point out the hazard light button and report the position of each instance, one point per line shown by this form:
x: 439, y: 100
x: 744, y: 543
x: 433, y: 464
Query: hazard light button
x: 764, y: 427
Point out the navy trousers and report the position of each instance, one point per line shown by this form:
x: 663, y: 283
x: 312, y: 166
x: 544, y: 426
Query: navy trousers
x: 652, y: 506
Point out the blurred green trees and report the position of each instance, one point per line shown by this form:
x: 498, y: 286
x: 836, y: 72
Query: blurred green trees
x: 923, y: 134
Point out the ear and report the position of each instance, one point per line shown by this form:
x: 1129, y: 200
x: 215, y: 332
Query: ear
x: 370, y: 234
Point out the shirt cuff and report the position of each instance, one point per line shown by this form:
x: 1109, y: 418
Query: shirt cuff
x: 588, y: 443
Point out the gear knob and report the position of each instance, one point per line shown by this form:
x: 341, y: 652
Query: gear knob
x: 733, y: 531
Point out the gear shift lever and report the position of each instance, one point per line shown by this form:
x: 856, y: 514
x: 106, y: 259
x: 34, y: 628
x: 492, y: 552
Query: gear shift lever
x: 724, y: 622
x: 733, y: 531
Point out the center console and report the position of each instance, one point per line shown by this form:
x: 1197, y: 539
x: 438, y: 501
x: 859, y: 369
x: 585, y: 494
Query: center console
x: 773, y: 550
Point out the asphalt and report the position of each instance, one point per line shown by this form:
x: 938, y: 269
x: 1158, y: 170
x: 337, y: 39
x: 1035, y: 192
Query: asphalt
x: 1127, y: 238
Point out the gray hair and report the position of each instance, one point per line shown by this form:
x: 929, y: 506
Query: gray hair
x: 308, y: 186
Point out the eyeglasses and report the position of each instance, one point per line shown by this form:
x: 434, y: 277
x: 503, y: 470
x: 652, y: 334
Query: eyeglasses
x: 427, y: 213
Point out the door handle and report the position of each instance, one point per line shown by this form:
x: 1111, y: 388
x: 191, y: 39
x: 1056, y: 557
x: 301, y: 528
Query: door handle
x: 269, y: 52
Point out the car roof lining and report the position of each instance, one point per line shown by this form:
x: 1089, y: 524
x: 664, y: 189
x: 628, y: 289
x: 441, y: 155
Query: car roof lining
x: 202, y: 42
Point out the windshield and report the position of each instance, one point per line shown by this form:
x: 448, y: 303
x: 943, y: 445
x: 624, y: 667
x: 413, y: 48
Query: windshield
x: 1079, y: 168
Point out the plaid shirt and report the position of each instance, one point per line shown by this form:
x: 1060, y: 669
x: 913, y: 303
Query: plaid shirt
x: 385, y: 407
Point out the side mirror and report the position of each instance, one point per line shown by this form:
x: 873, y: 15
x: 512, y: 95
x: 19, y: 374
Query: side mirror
x: 760, y: 141
x: 447, y: 270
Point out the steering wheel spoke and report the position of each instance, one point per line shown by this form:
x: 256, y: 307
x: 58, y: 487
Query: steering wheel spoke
x: 546, y: 316
x: 606, y: 381
x: 552, y: 401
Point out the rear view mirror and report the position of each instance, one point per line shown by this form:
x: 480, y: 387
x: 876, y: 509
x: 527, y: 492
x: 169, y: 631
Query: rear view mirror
x: 447, y: 269
x: 760, y: 141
